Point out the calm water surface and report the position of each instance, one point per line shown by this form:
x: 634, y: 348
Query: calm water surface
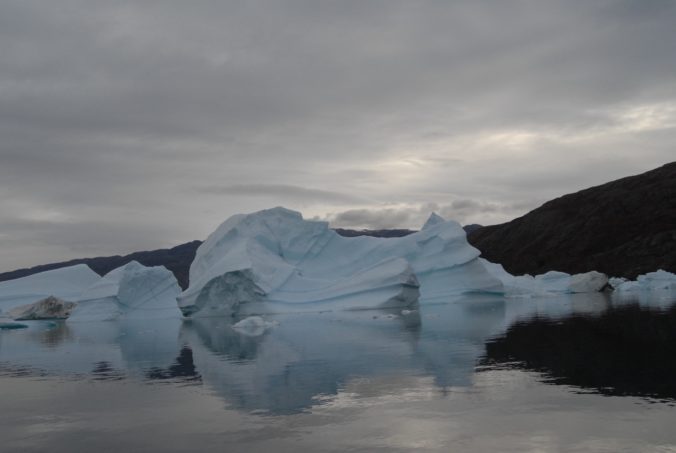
x: 575, y: 373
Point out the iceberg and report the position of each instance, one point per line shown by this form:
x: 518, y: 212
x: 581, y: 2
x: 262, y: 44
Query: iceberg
x: 48, y: 308
x: 274, y: 261
x: 652, y: 281
x: 552, y: 282
x: 132, y: 291
x: 66, y: 283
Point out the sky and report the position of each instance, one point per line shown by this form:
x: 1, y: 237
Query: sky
x: 130, y: 125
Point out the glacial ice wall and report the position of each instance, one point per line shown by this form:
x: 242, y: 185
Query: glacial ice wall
x: 274, y: 261
x: 132, y: 291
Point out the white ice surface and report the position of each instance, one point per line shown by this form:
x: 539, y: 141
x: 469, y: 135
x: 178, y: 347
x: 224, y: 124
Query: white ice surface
x: 66, y: 283
x: 274, y: 261
x: 132, y: 291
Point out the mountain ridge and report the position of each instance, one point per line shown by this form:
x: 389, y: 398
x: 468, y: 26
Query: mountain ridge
x: 623, y: 228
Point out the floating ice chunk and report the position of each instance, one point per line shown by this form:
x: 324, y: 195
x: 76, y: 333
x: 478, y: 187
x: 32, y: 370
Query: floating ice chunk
x: 652, y: 281
x: 132, y: 291
x: 253, y: 326
x: 66, y: 283
x: 274, y: 261
x: 615, y: 282
x: 552, y: 282
x: 588, y: 282
x: 48, y: 308
x: 658, y: 280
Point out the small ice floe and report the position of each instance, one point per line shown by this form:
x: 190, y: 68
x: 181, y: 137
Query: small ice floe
x: 8, y: 323
x: 253, y: 326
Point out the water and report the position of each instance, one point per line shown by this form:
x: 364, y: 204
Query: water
x: 574, y: 373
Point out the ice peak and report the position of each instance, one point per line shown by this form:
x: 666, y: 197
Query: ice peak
x: 433, y: 220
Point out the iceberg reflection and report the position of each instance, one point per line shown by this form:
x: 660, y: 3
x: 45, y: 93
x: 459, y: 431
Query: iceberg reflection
x: 305, y: 360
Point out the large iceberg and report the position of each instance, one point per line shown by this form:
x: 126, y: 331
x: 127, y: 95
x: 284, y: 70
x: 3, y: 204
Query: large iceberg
x: 274, y: 261
x: 66, y: 283
x: 552, y: 282
x: 132, y: 291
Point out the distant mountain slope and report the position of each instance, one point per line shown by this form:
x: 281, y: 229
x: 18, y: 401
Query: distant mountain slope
x: 176, y: 259
x: 623, y: 228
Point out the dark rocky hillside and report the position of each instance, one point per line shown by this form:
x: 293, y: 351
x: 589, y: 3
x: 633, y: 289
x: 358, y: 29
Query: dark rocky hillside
x: 623, y: 228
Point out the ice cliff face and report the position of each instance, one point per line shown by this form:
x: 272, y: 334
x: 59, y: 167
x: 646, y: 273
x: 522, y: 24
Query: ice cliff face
x: 132, y: 291
x: 275, y: 261
x: 66, y: 283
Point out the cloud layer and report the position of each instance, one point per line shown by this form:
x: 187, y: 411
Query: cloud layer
x: 131, y: 125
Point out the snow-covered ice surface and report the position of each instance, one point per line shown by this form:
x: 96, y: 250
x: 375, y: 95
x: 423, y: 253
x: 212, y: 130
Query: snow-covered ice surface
x: 660, y: 280
x: 132, y: 291
x: 552, y: 282
x: 66, y: 283
x: 274, y: 261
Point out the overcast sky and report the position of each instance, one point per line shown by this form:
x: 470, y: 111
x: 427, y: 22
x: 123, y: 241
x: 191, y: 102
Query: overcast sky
x: 131, y: 126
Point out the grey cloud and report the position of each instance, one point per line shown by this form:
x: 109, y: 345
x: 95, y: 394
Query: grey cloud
x: 462, y: 210
x: 284, y: 191
x: 58, y: 241
x: 372, y: 219
x: 114, y: 112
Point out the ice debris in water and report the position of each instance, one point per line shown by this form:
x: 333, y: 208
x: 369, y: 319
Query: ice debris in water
x: 132, y: 291
x: 9, y: 323
x: 253, y: 326
x: 48, y: 308
x: 552, y: 282
x: 652, y: 281
x: 274, y: 261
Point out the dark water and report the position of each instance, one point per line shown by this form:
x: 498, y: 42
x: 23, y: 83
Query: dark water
x: 574, y: 373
